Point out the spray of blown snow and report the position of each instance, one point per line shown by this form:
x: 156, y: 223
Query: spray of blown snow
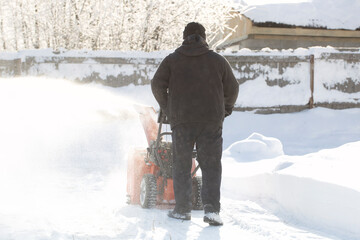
x: 63, y: 155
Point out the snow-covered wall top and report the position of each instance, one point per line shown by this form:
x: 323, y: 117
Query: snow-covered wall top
x: 268, y: 78
x: 331, y: 14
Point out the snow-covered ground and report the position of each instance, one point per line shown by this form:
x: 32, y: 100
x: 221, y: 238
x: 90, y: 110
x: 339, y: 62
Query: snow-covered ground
x: 63, y: 160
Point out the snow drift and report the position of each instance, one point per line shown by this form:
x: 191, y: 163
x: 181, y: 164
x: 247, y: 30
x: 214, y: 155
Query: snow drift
x: 255, y: 147
x: 321, y: 190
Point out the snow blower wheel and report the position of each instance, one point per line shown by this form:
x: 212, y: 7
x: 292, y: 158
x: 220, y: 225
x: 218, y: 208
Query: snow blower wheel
x: 148, y: 191
x: 196, y: 193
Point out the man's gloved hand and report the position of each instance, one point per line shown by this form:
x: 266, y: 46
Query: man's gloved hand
x: 227, y: 113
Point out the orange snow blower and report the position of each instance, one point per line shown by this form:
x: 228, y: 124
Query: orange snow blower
x: 149, y: 171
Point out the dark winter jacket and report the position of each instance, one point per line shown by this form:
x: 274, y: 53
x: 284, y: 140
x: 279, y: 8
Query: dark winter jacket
x: 195, y: 84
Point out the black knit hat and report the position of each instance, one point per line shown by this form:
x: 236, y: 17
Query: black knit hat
x: 194, y: 28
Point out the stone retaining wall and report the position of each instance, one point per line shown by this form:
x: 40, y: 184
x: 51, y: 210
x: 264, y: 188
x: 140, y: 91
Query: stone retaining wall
x: 268, y: 83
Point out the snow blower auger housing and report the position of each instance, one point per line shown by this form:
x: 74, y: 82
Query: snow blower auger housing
x: 149, y: 171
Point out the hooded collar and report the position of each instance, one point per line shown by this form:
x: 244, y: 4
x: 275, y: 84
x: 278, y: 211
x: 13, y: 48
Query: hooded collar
x: 193, y: 45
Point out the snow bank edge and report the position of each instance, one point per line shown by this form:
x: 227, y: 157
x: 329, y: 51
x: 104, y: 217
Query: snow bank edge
x: 318, y: 205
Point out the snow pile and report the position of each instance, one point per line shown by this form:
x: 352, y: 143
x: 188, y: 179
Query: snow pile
x: 300, y: 133
x: 320, y: 190
x: 331, y: 14
x: 255, y: 147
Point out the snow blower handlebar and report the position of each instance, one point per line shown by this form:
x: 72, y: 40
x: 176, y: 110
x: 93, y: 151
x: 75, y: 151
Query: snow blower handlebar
x: 163, y: 119
x: 153, y: 132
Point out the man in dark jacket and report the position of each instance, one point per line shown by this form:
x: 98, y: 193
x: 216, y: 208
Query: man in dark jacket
x: 196, y: 89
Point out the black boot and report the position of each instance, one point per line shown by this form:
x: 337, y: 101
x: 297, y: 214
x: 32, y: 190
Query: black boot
x: 179, y: 215
x: 212, y: 216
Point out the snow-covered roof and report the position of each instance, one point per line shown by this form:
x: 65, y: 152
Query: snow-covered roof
x: 330, y: 14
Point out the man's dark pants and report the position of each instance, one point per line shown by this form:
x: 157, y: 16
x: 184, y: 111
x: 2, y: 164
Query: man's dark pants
x: 208, y: 140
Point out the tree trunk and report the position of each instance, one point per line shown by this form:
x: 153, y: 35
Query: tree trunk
x: 37, y: 32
